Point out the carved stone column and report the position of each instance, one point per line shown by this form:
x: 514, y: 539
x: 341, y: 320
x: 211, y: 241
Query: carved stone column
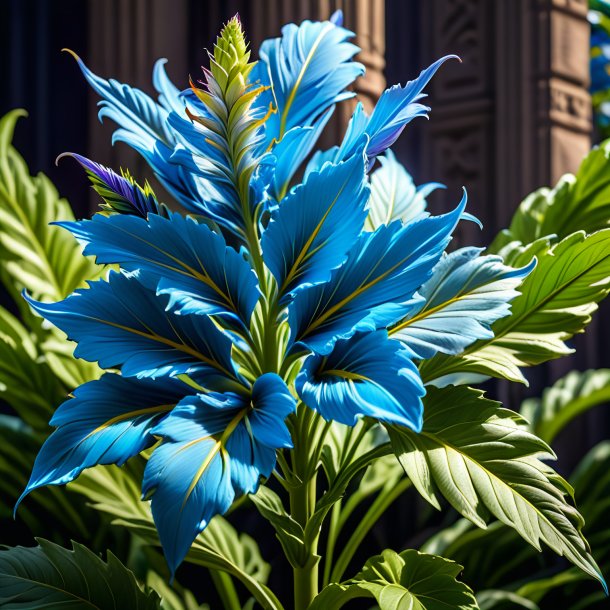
x: 516, y: 114
x: 126, y: 37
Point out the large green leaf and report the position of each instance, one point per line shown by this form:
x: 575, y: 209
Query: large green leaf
x: 116, y: 491
x: 49, y: 576
x: 483, y: 460
x: 44, y: 259
x: 568, y: 398
x: 406, y: 581
x: 557, y: 300
x: 27, y: 383
x: 578, y: 202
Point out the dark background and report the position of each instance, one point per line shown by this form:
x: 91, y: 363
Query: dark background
x: 493, y: 126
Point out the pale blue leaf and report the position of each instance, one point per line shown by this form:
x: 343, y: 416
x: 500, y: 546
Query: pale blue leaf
x: 190, y: 263
x: 122, y: 323
x: 309, y: 69
x: 466, y: 294
x: 215, y: 447
x: 107, y: 421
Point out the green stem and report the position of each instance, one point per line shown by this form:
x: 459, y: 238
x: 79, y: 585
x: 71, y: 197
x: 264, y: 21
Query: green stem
x: 226, y: 590
x: 385, y: 498
x: 302, y: 505
x: 331, y: 541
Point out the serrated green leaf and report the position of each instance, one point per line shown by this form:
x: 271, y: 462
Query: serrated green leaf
x: 288, y: 531
x: 406, y: 581
x: 557, y: 300
x: 483, y: 460
x: 44, y: 259
x: 116, y: 492
x: 53, y: 577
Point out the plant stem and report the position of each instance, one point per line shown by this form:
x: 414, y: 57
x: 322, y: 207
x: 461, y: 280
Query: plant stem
x: 302, y: 504
x: 385, y: 498
x: 226, y: 590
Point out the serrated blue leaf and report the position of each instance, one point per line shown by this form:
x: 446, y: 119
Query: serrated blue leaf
x: 376, y: 286
x: 309, y: 69
x: 292, y: 150
x: 123, y: 323
x: 158, y: 132
x: 215, y: 447
x: 396, y: 107
x: 107, y: 421
x: 302, y: 244
x: 191, y: 263
x: 366, y: 375
x: 466, y: 294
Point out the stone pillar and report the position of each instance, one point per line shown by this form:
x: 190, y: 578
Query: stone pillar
x: 126, y: 37
x: 516, y: 114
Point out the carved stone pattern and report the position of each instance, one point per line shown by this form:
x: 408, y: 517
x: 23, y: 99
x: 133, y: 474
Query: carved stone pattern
x: 570, y: 106
x: 459, y: 27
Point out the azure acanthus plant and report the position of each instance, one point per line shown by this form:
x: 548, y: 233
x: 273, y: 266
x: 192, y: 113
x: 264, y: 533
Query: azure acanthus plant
x: 259, y: 329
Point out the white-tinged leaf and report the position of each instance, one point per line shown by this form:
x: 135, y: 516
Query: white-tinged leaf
x: 557, y: 300
x: 466, y: 294
x: 394, y: 196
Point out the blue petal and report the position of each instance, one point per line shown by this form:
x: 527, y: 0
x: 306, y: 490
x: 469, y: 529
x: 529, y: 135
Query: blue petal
x: 215, y: 447
x: 302, y: 244
x: 122, y: 323
x: 309, y: 69
x: 466, y: 294
x: 272, y: 402
x: 367, y: 375
x: 158, y: 132
x: 377, y: 284
x: 396, y: 107
x: 192, y: 264
x: 107, y: 421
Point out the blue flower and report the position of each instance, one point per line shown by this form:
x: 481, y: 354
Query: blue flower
x: 258, y: 289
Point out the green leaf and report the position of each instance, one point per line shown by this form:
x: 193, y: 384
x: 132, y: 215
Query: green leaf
x: 19, y: 444
x: 409, y: 580
x: 116, y: 491
x: 557, y: 300
x: 44, y: 259
x: 53, y: 577
x: 288, y: 531
x: 483, y: 460
x: 27, y: 383
x: 568, y: 398
x: 496, y: 599
x: 578, y: 202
